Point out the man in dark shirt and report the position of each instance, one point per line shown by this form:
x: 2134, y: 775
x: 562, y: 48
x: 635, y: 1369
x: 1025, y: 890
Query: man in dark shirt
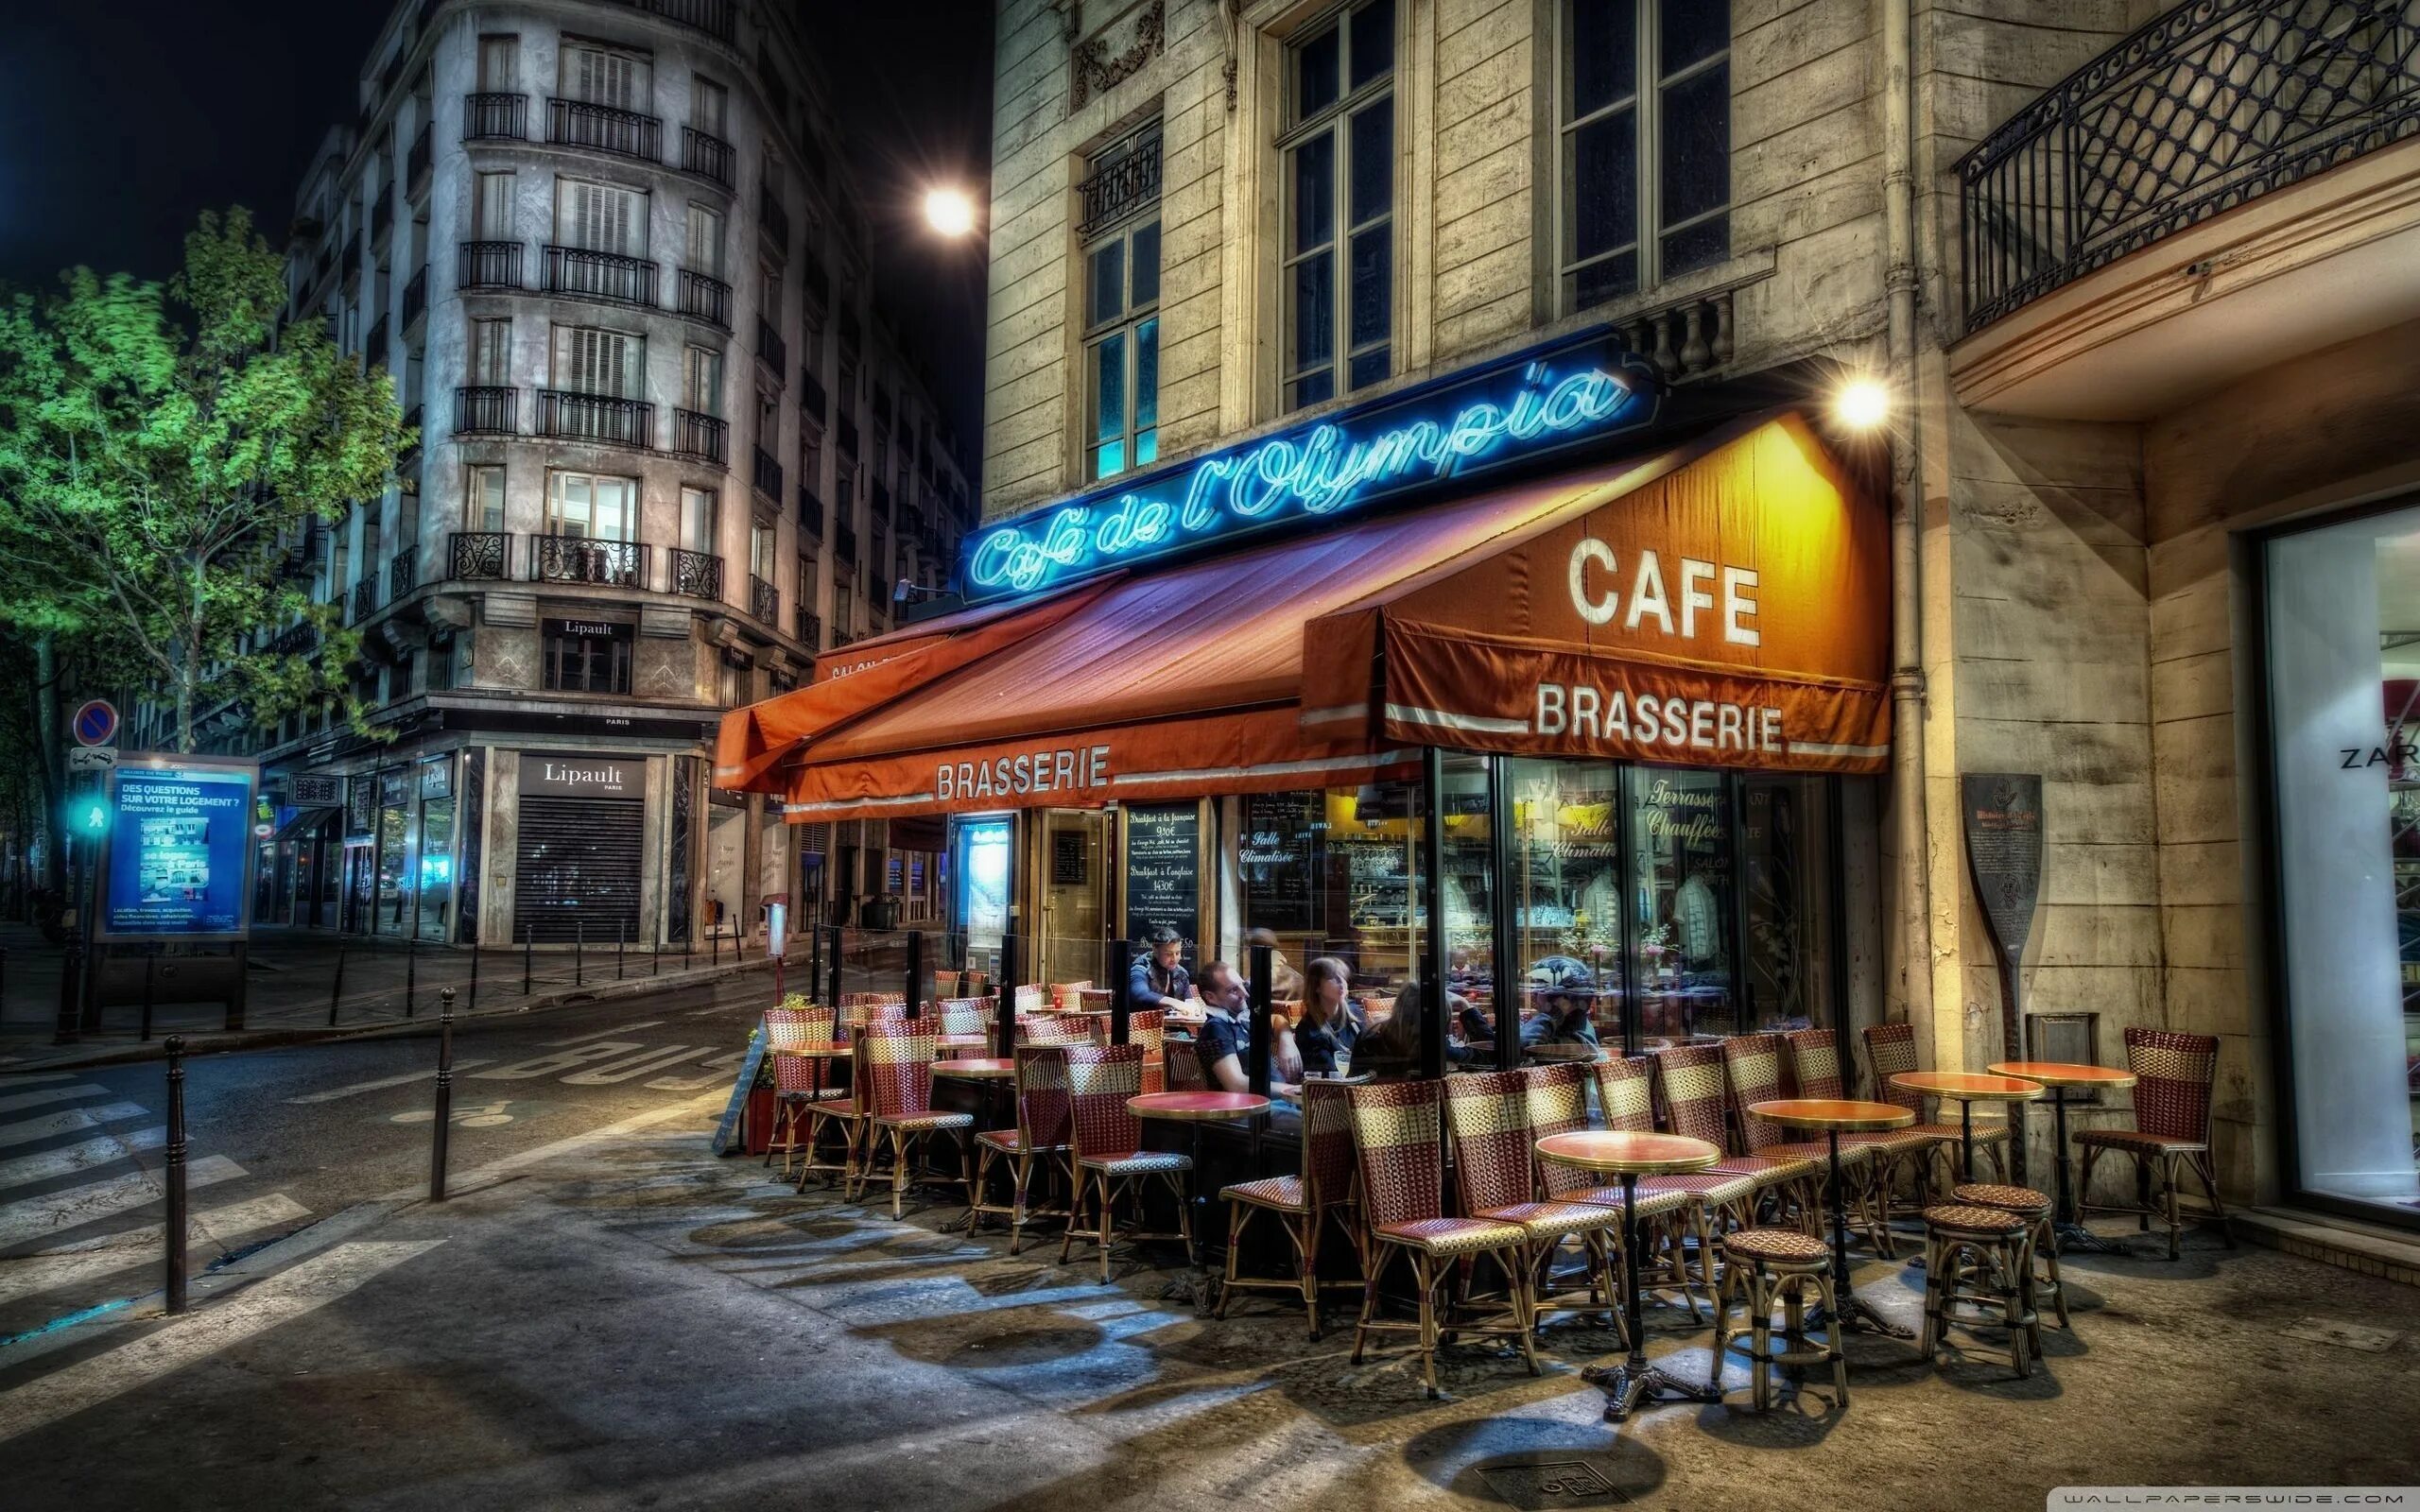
x: 1224, y: 1041
x: 1158, y: 980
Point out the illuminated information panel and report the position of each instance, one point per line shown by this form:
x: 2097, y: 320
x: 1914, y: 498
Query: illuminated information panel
x: 179, y: 849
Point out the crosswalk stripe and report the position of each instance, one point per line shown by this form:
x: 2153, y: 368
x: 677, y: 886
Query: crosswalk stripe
x: 74, y: 1159
x: 29, y: 1079
x: 599, y: 1033
x: 55, y: 1095
x: 71, y: 1122
x: 91, y: 1259
x: 427, y: 1074
x: 52, y: 1212
x: 184, y: 1341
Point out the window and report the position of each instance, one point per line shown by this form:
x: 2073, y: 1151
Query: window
x: 768, y: 295
x: 704, y: 253
x: 600, y: 217
x: 590, y: 360
x: 491, y: 208
x: 483, y: 499
x: 490, y: 364
x: 844, y: 609
x: 579, y: 658
x: 499, y: 64
x: 592, y: 506
x: 1339, y: 151
x: 701, y: 518
x: 599, y: 75
x: 1122, y: 313
x: 1643, y: 143
x: 709, y: 106
x: 761, y: 550
x: 701, y: 380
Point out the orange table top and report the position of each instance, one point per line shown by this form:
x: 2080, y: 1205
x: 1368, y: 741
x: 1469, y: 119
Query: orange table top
x: 813, y: 1051
x: 2064, y: 1073
x: 1625, y: 1150
x: 962, y: 1041
x: 1968, y: 1086
x: 1196, y: 1105
x: 1833, y: 1113
x: 975, y: 1070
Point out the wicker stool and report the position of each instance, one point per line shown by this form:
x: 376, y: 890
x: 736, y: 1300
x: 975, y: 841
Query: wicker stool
x: 1981, y: 1261
x: 1767, y: 1266
x: 2034, y: 1206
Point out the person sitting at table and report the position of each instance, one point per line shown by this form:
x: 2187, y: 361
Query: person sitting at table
x: 1284, y: 981
x: 1327, y: 1031
x: 1158, y: 980
x: 1563, y: 1018
x: 1392, y: 1050
x: 1224, y: 1041
x: 1476, y: 1024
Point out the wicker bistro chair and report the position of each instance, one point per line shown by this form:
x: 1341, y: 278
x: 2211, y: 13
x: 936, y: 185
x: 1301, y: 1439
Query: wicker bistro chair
x: 1700, y: 1200
x: 796, y: 1082
x: 844, y: 1115
x: 2174, y: 1073
x: 1302, y: 1204
x: 1752, y: 1070
x: 1148, y: 1029
x: 1110, y: 1158
x: 1487, y: 1114
x: 1890, y: 1048
x: 1398, y: 1149
x: 1182, y: 1067
x: 965, y: 1015
x: 1045, y: 1135
x: 1815, y: 1065
x: 872, y: 1008
x: 898, y: 1062
x: 1691, y: 1081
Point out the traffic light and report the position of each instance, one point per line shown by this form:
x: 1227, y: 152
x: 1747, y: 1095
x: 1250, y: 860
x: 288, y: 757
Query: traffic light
x: 88, y: 816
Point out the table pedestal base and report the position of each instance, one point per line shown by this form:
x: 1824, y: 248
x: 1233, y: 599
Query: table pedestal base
x: 1636, y: 1383
x: 2075, y: 1238
x: 1858, y: 1313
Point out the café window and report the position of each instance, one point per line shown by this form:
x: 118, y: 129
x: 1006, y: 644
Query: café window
x: 587, y: 656
x: 2341, y: 603
x: 1642, y: 144
x: 1338, y: 189
x: 1122, y: 305
x: 592, y: 506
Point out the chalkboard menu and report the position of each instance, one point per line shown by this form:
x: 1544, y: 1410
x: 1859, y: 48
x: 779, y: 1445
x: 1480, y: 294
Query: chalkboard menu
x: 1163, y: 869
x: 1280, y: 860
x: 1377, y: 879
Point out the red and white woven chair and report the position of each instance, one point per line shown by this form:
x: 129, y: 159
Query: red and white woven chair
x: 1044, y: 1139
x: 897, y: 1060
x: 1890, y: 1050
x: 1303, y: 1205
x: 1706, y: 1202
x: 1694, y: 1096
x: 1487, y: 1114
x: 2173, y: 1077
x: 1111, y: 1162
x: 1752, y: 1071
x: 1815, y: 1066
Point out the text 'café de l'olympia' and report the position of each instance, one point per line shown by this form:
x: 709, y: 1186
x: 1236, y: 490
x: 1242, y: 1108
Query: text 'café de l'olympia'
x: 1624, y: 656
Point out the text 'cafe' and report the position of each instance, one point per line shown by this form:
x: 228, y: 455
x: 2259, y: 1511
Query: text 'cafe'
x: 1627, y: 654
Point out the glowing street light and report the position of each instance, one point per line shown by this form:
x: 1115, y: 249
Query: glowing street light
x: 950, y: 211
x: 1862, y: 403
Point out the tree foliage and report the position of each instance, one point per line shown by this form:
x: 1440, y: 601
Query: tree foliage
x: 156, y: 443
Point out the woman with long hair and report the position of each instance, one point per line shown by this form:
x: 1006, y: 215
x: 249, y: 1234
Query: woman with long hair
x: 1326, y: 1029
x: 1392, y: 1050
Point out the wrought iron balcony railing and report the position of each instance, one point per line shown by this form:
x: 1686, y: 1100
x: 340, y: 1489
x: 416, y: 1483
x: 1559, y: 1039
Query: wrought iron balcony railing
x: 773, y: 216
x: 716, y: 18
x: 696, y: 573
x: 768, y: 475
x: 764, y: 600
x: 702, y: 437
x: 495, y: 117
x: 571, y: 417
x: 402, y: 574
x: 488, y: 266
x: 809, y: 628
x: 373, y: 346
x: 707, y: 155
x: 810, y: 512
x: 416, y: 297
x: 2213, y: 104
x: 479, y: 556
x: 844, y: 542
x: 607, y: 276
x: 770, y: 346
x: 811, y: 396
x: 365, y: 599
x: 382, y: 216
x: 416, y: 163
x: 605, y: 128
x: 705, y: 298
x: 486, y: 411
x: 579, y: 559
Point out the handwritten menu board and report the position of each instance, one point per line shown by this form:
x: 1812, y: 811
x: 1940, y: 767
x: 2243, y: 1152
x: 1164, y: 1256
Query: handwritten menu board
x: 1280, y: 860
x: 1378, y: 874
x: 1163, y: 870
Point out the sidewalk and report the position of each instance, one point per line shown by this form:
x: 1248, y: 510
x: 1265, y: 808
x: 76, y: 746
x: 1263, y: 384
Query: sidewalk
x: 305, y: 986
x: 632, y: 1321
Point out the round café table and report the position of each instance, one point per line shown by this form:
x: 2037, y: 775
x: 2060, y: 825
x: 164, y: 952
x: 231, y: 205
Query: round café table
x: 1629, y: 1155
x: 1966, y: 1089
x: 1193, y: 1110
x: 1836, y: 1116
x: 818, y: 1051
x: 977, y: 1069
x: 2059, y: 1075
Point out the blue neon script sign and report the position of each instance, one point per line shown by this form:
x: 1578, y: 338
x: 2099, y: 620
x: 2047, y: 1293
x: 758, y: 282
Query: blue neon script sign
x: 1512, y: 410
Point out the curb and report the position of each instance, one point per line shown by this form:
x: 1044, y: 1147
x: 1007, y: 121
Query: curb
x: 74, y: 1057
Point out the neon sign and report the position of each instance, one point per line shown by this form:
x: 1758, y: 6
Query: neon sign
x: 1513, y: 410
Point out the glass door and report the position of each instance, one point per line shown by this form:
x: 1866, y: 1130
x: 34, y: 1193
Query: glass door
x: 1684, y: 936
x: 1072, y: 882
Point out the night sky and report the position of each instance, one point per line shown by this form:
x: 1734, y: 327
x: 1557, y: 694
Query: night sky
x: 125, y: 118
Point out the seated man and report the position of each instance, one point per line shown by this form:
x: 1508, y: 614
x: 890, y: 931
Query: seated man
x: 1563, y: 1019
x: 1158, y: 980
x: 1284, y: 983
x: 1224, y: 1041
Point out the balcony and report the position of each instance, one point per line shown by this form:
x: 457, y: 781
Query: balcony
x: 716, y: 18
x: 770, y: 346
x: 605, y: 128
x: 2226, y: 189
x: 495, y: 117
x: 365, y: 599
x: 488, y: 266
x: 382, y: 216
x: 819, y: 279
x: 416, y: 297
x: 774, y: 219
x: 810, y: 512
x: 808, y: 627
x: 609, y: 277
x: 811, y: 396
x: 373, y: 346
x: 695, y: 573
x: 350, y: 259
x: 845, y: 427
x: 707, y: 156
x: 417, y: 162
x: 764, y: 600
x: 701, y: 437
x: 844, y: 542
x: 579, y: 559
x: 768, y: 475
x: 295, y: 640
x: 598, y: 418
x: 486, y: 411
x: 480, y: 557
x: 705, y: 298
x: 402, y: 574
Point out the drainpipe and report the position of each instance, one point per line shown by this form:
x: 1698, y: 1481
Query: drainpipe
x: 1912, y: 917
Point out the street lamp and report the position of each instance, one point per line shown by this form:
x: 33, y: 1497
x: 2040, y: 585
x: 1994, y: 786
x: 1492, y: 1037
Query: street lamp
x: 1862, y: 403
x: 950, y: 211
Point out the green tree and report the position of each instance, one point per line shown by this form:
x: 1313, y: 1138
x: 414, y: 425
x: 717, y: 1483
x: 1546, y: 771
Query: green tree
x: 157, y: 445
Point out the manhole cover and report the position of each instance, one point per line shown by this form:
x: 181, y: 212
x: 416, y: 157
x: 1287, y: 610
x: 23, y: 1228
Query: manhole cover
x: 1534, y: 1485
x: 2339, y: 1334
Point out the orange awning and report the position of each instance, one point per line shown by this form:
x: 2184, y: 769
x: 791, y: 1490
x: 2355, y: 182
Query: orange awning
x: 1504, y: 620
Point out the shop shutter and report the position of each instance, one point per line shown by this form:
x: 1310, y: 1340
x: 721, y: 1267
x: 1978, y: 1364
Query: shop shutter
x: 578, y: 871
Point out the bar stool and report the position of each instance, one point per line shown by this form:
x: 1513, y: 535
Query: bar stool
x: 2033, y: 1207
x: 1777, y: 1266
x: 1980, y: 1259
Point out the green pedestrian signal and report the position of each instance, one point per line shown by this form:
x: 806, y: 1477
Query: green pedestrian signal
x: 89, y: 816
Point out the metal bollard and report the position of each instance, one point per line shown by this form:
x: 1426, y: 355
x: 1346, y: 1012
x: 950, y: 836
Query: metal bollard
x: 69, y: 990
x: 713, y: 936
x: 529, y: 948
x: 336, y: 983
x: 150, y: 958
x: 655, y: 949
x: 473, y: 1003
x: 444, y: 1094
x: 411, y: 974
x: 176, y: 1172
x: 621, y: 930
x: 579, y: 949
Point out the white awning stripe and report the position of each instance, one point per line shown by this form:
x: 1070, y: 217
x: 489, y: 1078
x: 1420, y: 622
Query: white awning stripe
x: 832, y: 805
x: 1440, y: 719
x: 1306, y: 768
x: 1814, y: 748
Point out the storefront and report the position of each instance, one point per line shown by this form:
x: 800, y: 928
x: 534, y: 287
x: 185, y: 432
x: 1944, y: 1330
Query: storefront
x: 581, y: 850
x: 1634, y: 700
